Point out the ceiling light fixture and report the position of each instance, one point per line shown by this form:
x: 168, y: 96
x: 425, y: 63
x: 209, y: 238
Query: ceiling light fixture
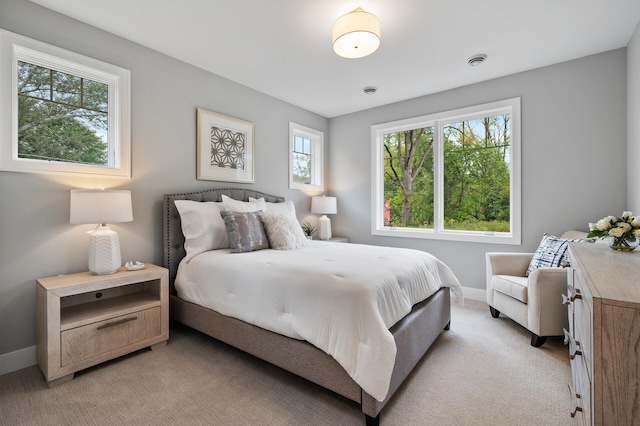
x: 476, y: 60
x: 356, y: 34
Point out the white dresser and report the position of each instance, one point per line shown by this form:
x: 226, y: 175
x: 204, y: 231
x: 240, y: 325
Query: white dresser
x: 603, y: 298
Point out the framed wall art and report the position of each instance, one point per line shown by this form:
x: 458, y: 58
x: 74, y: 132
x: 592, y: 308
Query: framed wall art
x: 225, y: 148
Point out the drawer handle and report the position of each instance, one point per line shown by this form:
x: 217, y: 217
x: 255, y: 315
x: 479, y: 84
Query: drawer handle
x: 575, y: 411
x: 576, y: 401
x: 573, y: 344
x: 572, y: 294
x: 574, y: 349
x: 122, y: 321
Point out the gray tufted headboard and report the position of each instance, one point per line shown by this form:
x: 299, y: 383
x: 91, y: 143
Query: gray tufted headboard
x: 173, y: 238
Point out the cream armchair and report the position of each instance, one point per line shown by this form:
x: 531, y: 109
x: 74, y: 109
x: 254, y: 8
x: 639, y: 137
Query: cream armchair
x: 534, y: 302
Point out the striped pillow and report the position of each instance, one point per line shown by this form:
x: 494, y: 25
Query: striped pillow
x: 552, y: 253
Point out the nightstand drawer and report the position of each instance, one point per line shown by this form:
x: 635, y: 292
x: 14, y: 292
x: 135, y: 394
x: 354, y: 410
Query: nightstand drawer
x: 101, y: 337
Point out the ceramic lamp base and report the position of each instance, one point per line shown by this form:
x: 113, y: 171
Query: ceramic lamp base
x: 104, y: 251
x: 324, y: 233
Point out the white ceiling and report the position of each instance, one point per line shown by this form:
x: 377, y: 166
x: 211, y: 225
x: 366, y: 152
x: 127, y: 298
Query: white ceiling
x: 283, y: 47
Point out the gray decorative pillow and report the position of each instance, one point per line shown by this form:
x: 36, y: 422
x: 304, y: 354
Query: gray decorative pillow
x: 245, y: 231
x: 283, y: 230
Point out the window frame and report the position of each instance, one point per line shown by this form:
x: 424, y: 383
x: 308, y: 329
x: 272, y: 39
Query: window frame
x: 317, y: 156
x: 438, y: 120
x: 14, y: 48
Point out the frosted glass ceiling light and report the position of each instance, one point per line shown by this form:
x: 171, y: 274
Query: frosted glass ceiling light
x: 356, y: 34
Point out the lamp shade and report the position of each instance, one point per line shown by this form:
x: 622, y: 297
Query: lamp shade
x: 100, y: 206
x: 356, y: 34
x: 324, y: 205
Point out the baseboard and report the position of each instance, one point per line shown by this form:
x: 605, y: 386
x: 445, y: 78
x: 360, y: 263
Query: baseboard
x: 478, y: 294
x: 17, y: 360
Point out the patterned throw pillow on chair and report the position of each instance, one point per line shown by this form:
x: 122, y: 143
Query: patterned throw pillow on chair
x: 552, y: 252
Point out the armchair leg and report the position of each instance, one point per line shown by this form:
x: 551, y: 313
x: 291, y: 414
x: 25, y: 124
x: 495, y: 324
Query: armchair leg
x: 494, y: 312
x: 537, y: 341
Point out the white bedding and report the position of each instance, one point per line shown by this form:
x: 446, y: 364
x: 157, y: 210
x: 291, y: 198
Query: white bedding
x: 342, y: 298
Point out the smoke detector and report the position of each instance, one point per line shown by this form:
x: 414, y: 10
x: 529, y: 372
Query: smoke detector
x: 369, y: 90
x: 476, y: 60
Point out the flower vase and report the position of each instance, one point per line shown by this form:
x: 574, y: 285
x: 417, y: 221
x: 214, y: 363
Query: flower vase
x: 622, y: 244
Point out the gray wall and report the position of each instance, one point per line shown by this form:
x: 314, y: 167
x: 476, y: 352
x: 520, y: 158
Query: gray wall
x: 574, y: 129
x: 633, y: 119
x: 573, y: 155
x: 36, y: 238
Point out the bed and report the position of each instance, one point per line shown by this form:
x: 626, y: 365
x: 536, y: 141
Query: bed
x: 412, y: 335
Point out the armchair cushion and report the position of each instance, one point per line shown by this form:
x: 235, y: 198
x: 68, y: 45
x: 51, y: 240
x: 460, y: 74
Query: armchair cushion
x: 512, y: 286
x: 552, y: 252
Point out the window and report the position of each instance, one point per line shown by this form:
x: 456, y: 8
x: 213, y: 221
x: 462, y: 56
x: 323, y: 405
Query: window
x: 305, y: 158
x: 70, y: 113
x: 453, y: 175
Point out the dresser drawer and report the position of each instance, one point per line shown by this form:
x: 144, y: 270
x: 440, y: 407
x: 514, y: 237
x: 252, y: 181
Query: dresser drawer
x: 582, y: 397
x: 583, y: 321
x: 82, y: 343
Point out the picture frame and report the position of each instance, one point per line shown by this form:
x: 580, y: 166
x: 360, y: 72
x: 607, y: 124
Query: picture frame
x: 225, y: 147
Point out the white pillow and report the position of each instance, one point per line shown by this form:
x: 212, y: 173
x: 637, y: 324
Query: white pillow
x: 232, y: 205
x: 283, y: 231
x: 202, y: 226
x: 286, y: 207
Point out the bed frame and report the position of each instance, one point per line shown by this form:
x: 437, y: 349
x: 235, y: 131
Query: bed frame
x: 414, y: 334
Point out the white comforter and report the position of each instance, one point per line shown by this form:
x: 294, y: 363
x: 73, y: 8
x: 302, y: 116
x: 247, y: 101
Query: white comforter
x: 342, y: 298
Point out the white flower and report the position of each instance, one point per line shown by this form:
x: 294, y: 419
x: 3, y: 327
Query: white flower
x: 636, y: 222
x: 624, y: 225
x: 616, y: 232
x: 627, y: 216
x: 603, y: 224
x: 636, y: 232
x: 592, y: 226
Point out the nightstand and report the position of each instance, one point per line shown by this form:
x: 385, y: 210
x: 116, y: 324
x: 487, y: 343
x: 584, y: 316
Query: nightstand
x: 83, y: 319
x: 338, y: 240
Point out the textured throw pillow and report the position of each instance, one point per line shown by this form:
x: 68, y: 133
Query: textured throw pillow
x: 202, y: 226
x: 286, y: 207
x: 552, y: 252
x: 284, y: 231
x: 245, y: 231
x: 232, y: 205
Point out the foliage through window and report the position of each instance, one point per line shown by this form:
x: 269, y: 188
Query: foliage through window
x: 301, y: 160
x: 305, y: 157
x: 70, y: 114
x: 61, y: 117
x: 453, y: 175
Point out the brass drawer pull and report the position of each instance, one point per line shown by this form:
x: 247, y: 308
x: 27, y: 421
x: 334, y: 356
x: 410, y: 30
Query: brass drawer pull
x: 122, y: 321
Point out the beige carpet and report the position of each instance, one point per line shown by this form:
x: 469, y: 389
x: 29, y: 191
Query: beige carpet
x: 481, y: 372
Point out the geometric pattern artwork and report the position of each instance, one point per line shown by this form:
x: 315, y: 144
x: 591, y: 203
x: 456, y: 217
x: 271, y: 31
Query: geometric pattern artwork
x: 228, y: 148
x: 225, y: 148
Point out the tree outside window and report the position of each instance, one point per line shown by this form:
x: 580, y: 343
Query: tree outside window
x: 65, y: 113
x: 452, y: 175
x: 306, y: 165
x: 61, y: 117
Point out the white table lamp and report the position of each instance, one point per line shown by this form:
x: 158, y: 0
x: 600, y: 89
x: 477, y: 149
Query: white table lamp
x: 101, y: 206
x: 324, y: 206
